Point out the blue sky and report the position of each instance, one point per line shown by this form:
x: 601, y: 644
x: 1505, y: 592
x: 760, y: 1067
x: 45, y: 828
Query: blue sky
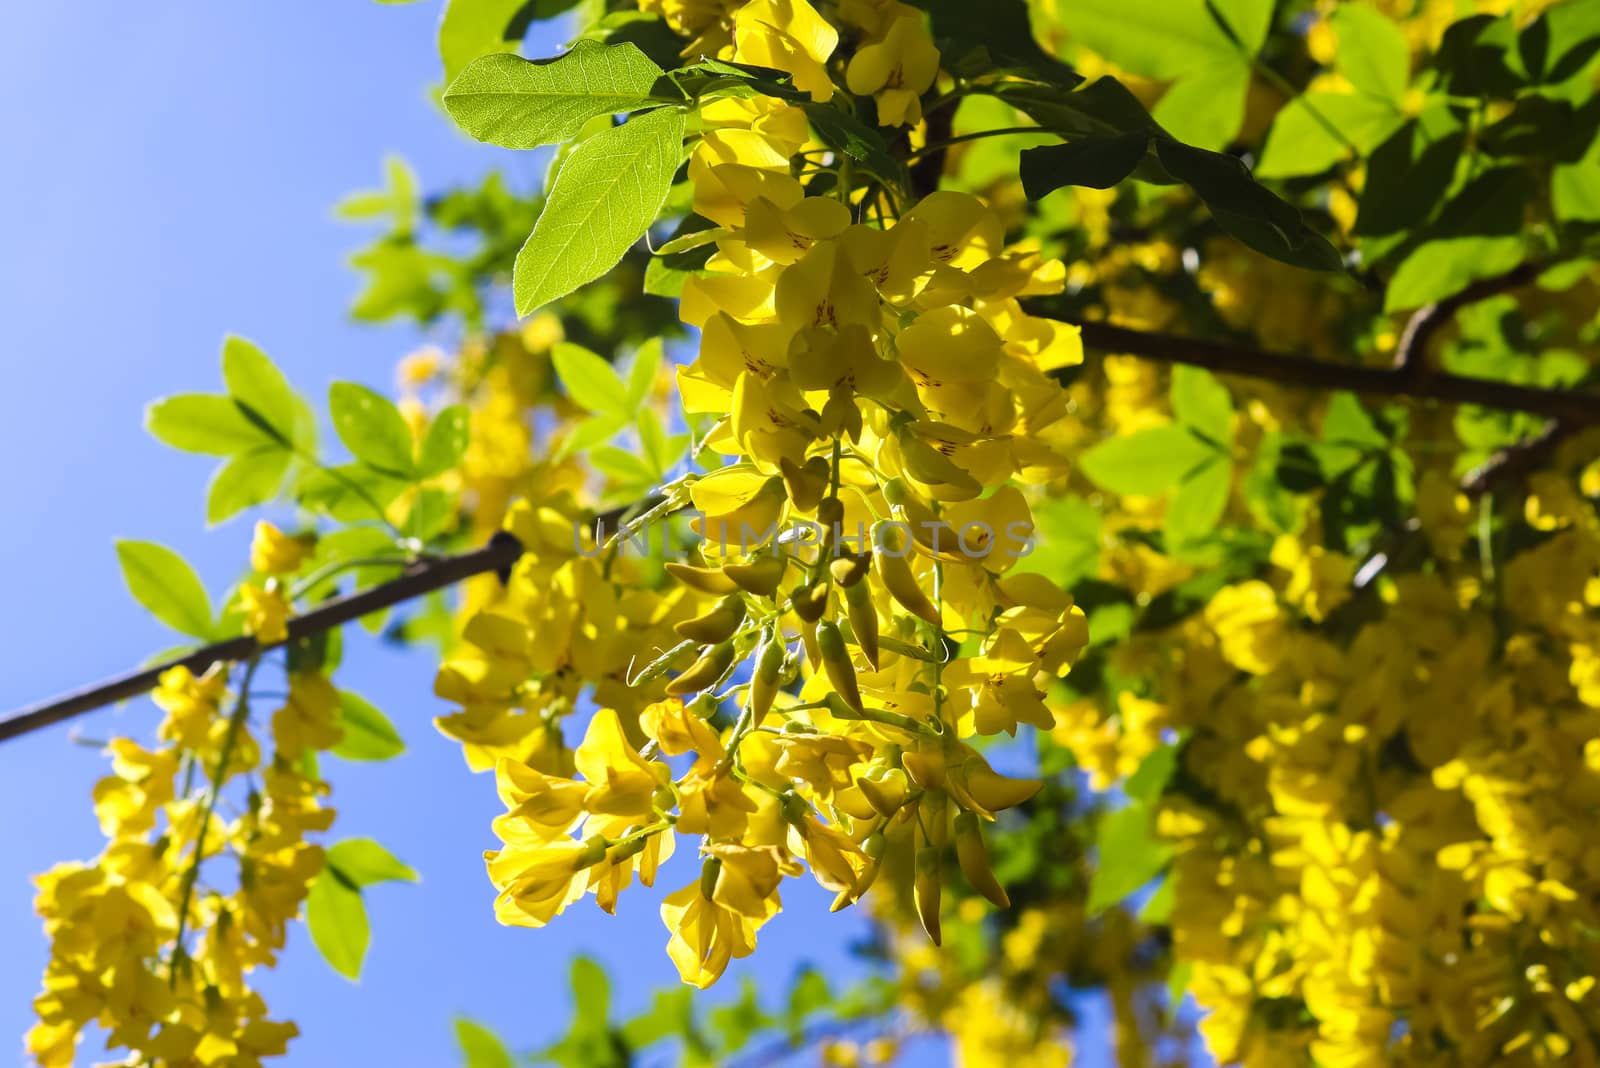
x: 169, y: 180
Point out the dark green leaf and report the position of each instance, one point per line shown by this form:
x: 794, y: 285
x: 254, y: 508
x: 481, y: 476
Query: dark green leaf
x: 1245, y: 209
x: 1407, y: 177
x: 1095, y: 162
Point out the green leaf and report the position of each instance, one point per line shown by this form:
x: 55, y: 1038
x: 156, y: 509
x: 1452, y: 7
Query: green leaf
x: 1245, y: 209
x: 1198, y: 503
x: 1438, y: 269
x: 1205, y: 108
x: 590, y: 432
x: 481, y: 1047
x: 1095, y: 162
x: 446, y: 441
x: 1145, y: 463
x: 167, y: 586
x: 1150, y: 779
x: 517, y: 103
x: 364, y: 862
x: 591, y: 997
x: 349, y: 493
x: 1301, y: 143
x: 471, y: 28
x: 1408, y: 176
x: 259, y: 388
x: 671, y: 1015
x: 1373, y: 53
x: 245, y: 480
x: 203, y: 422
x: 643, y: 371
x: 999, y: 30
x: 337, y: 918
x: 372, y: 428
x: 1066, y: 540
x: 368, y: 733
x: 1346, y: 421
x: 605, y: 197
x: 1173, y: 38
x: 1130, y: 856
x: 1158, y: 910
x: 590, y: 380
x: 621, y: 466
x: 1203, y: 404
x: 1575, y: 188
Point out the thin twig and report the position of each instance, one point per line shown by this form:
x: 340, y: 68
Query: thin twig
x: 422, y: 578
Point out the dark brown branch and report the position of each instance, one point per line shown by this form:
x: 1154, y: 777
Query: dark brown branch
x: 1579, y: 409
x: 1411, y: 355
x: 1515, y: 462
x: 421, y: 578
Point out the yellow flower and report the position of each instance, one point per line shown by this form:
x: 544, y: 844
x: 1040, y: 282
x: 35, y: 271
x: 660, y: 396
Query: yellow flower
x: 306, y: 720
x: 790, y: 36
x: 272, y: 552
x: 266, y: 613
x: 897, y: 69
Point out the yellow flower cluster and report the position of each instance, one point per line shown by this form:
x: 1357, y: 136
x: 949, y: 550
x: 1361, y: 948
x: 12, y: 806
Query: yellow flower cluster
x: 1386, y: 828
x: 150, y: 941
x: 878, y: 390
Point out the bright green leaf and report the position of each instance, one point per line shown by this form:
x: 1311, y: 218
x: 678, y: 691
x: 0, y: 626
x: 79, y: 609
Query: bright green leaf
x: 446, y: 441
x: 1198, y: 503
x: 471, y: 28
x: 605, y: 197
x: 1373, y: 53
x: 591, y: 996
x: 372, y: 428
x: 363, y: 862
x: 1300, y: 141
x: 1437, y: 269
x: 257, y: 386
x: 167, y: 586
x: 368, y: 733
x: 337, y: 918
x: 517, y: 103
x: 203, y: 422
x: 1206, y: 108
x: 1147, y: 462
x: 642, y: 373
x: 590, y: 380
x: 245, y: 480
x: 481, y: 1047
x: 621, y: 466
x: 1202, y: 403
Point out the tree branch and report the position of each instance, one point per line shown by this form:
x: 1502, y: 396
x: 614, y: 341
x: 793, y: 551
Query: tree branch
x: 1569, y: 412
x: 1579, y: 409
x: 499, y: 555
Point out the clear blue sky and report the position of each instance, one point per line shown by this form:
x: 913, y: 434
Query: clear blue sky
x: 169, y: 178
